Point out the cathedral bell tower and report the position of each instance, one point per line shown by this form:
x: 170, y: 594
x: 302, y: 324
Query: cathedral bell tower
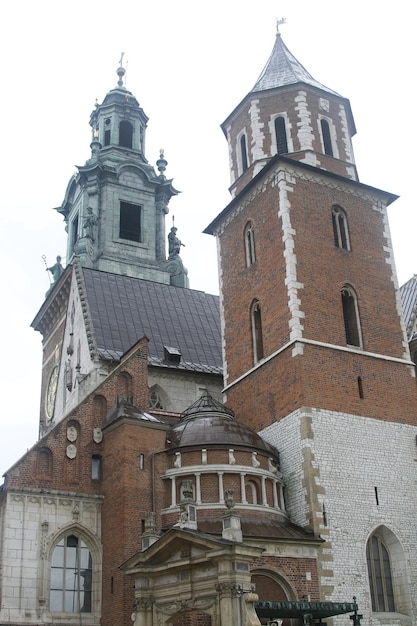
x: 289, y: 112
x: 115, y: 205
x: 315, y: 354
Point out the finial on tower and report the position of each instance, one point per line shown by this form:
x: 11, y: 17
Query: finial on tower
x: 279, y: 23
x: 121, y: 71
x: 161, y: 163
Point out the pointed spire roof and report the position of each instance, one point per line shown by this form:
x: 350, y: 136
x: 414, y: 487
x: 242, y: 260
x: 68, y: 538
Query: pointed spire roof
x: 282, y: 68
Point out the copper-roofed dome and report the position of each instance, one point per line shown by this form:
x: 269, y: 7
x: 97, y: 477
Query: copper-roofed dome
x: 208, y: 422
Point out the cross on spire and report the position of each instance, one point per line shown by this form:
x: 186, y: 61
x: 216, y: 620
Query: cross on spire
x: 279, y: 23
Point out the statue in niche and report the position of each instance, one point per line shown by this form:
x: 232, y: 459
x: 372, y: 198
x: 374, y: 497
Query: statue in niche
x: 56, y: 270
x: 89, y: 224
x: 174, y: 244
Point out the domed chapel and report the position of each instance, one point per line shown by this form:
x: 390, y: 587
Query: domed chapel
x: 208, y: 461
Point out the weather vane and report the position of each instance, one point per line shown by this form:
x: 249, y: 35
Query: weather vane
x: 280, y: 22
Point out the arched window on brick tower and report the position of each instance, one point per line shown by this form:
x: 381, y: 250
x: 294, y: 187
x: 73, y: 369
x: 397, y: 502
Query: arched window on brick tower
x: 351, y: 317
x: 281, y: 135
x: 327, y: 138
x: 257, y: 339
x: 243, y: 153
x: 340, y: 228
x: 249, y: 238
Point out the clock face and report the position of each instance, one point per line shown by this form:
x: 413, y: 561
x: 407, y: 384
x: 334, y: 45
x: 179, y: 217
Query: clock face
x: 51, y: 393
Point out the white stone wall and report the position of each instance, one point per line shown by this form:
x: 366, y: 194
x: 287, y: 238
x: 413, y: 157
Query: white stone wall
x: 337, y: 460
x: 76, y: 336
x: 180, y: 389
x: 32, y: 523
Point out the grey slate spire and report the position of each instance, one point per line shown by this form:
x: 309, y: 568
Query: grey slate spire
x: 282, y: 68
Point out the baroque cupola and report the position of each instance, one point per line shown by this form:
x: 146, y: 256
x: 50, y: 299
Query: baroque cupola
x: 215, y: 460
x: 289, y: 113
x: 115, y: 204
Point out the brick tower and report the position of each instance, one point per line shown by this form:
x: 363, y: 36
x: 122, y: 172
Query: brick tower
x: 315, y: 352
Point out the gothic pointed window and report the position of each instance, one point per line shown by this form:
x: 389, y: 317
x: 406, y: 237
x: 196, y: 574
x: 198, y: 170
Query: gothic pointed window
x: 71, y: 576
x: 327, y: 139
x: 380, y: 576
x: 243, y: 153
x: 125, y: 134
x: 257, y: 339
x: 281, y: 135
x: 351, y: 317
x: 249, y: 244
x: 340, y: 228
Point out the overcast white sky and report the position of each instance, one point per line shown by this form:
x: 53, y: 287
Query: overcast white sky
x: 189, y: 65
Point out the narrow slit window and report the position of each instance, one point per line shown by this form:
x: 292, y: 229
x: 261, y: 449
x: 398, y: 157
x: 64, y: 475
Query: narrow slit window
x: 281, y: 135
x: 360, y: 387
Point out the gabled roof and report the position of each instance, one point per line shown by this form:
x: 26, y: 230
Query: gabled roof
x: 408, y: 293
x: 124, y: 309
x: 282, y: 68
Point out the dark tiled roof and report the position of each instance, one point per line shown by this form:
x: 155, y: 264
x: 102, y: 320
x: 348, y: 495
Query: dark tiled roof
x: 268, y: 528
x: 408, y: 293
x: 124, y: 309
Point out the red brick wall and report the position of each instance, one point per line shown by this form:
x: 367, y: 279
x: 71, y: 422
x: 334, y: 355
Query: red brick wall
x: 272, y: 103
x: 128, y: 490
x: 321, y: 377
x: 294, y: 571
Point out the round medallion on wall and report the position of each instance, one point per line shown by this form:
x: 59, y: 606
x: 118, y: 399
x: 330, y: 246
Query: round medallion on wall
x: 71, y: 451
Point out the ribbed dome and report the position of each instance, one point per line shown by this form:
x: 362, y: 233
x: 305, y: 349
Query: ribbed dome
x: 208, y: 422
x: 120, y: 95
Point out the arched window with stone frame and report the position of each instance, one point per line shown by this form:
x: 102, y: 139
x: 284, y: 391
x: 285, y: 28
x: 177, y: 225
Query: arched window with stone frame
x: 242, y: 153
x: 280, y: 126
x: 75, y: 573
x: 326, y: 137
x: 388, y: 575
